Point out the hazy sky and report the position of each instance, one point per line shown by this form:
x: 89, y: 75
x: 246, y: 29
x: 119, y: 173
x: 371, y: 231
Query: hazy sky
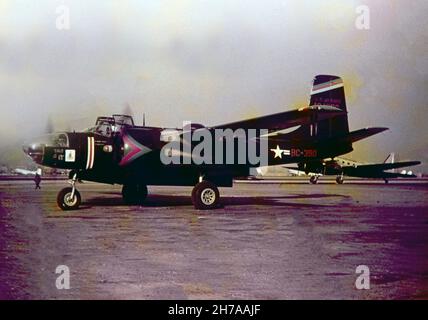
x: 214, y: 61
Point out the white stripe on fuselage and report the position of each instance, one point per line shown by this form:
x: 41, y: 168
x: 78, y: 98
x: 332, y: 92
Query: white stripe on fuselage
x: 88, y: 157
x: 91, y: 153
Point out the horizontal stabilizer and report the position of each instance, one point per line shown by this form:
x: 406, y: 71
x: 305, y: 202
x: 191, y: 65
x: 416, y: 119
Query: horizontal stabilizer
x: 360, y: 134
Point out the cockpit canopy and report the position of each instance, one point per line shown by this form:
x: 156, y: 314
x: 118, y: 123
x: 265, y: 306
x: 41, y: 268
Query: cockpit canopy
x: 107, y: 126
x: 122, y: 119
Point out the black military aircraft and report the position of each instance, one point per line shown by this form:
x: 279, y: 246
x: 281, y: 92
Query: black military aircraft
x: 116, y: 151
x: 341, y: 167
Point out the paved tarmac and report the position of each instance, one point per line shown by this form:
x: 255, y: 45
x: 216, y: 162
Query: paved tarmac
x: 268, y: 241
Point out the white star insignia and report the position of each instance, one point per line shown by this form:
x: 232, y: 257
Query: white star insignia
x: 278, y: 152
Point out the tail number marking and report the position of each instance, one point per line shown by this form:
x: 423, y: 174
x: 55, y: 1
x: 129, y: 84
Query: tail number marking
x: 307, y: 153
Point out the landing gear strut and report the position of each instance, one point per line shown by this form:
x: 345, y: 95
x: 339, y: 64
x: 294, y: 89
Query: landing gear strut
x: 313, y: 179
x: 134, y: 193
x: 339, y: 179
x: 69, y: 198
x: 205, y: 196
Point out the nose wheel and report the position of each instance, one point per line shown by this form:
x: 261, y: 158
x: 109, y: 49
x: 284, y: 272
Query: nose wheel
x: 69, y: 198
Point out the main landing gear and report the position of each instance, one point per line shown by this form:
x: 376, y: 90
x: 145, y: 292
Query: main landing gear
x: 313, y: 179
x: 205, y: 196
x: 134, y: 193
x: 69, y: 198
x: 339, y: 179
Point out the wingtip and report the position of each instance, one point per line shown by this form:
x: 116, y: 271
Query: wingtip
x: 377, y: 129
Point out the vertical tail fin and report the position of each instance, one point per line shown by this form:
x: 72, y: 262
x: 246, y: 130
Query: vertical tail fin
x: 326, y: 90
x: 392, y: 156
x: 329, y: 90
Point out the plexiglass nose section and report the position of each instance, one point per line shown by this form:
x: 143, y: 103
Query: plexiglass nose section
x: 36, y: 148
x: 35, y: 151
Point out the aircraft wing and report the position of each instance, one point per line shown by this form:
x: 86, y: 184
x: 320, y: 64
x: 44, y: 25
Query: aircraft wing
x: 397, y: 175
x: 25, y: 172
x: 361, y: 173
x: 349, y: 137
x: 387, y: 166
x: 284, y: 120
x: 377, y: 170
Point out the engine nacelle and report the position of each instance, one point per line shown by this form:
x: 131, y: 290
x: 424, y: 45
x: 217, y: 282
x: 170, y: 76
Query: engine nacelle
x: 332, y: 167
x: 311, y: 167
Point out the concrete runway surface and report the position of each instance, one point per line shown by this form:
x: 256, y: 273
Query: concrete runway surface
x: 268, y: 241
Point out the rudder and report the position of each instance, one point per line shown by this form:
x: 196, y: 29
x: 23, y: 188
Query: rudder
x: 329, y: 90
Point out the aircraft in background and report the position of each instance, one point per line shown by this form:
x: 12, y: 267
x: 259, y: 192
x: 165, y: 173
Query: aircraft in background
x: 341, y: 167
x: 296, y: 172
x: 116, y: 151
x: 26, y: 172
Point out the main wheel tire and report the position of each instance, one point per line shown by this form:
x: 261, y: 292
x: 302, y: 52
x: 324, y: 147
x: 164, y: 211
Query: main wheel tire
x: 205, y: 196
x: 339, y: 180
x: 313, y: 180
x: 134, y: 193
x: 64, y: 200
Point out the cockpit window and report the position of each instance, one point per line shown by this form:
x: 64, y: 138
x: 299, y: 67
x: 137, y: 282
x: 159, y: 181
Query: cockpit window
x: 107, y: 126
x: 121, y: 120
x: 103, y: 129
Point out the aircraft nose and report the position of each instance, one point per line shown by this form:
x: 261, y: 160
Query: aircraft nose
x: 35, y: 151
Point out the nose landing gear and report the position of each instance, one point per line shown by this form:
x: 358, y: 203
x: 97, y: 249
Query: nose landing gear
x: 69, y: 198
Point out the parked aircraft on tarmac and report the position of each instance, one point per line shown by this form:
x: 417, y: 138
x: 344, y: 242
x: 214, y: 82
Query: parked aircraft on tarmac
x: 116, y: 151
